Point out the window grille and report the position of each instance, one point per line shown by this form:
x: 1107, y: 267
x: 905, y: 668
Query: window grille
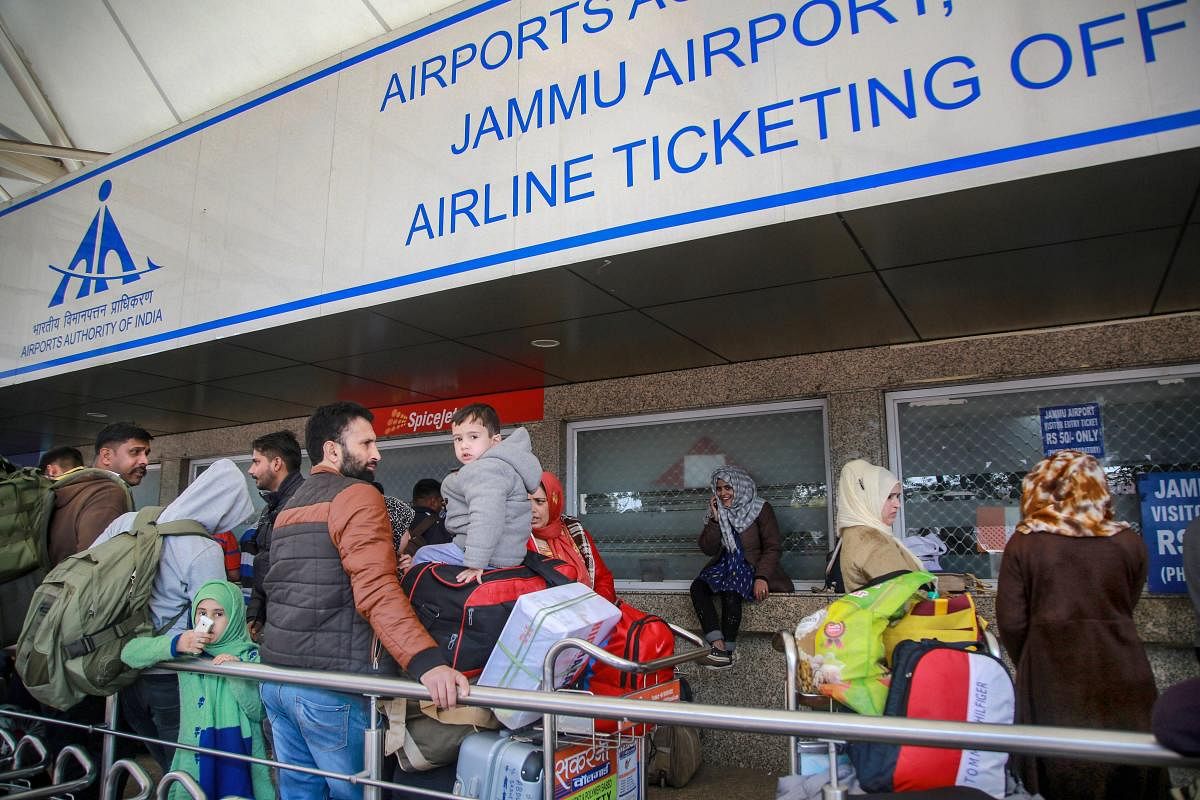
x: 962, y: 452
x: 640, y: 484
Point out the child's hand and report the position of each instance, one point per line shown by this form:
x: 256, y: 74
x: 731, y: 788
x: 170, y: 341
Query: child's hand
x: 224, y: 658
x: 470, y: 574
x: 191, y: 642
x: 403, y: 564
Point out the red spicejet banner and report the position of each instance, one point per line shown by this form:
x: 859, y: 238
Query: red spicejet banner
x: 523, y: 406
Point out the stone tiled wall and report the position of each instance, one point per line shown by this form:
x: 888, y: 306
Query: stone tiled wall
x: 853, y: 382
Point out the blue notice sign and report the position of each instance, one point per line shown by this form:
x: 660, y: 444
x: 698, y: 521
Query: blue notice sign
x: 1074, y: 427
x: 1170, y: 500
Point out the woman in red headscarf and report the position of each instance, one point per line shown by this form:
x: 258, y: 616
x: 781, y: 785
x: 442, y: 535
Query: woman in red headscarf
x: 558, y: 536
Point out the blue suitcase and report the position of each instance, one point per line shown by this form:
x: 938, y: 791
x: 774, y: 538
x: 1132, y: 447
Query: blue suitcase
x: 493, y: 765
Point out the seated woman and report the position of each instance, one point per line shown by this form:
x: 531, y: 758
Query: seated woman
x: 1069, y: 581
x: 556, y: 535
x: 742, y: 536
x: 868, y: 501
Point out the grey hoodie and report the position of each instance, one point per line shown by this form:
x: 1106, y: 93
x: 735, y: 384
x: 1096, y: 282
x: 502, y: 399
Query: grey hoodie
x: 487, y: 503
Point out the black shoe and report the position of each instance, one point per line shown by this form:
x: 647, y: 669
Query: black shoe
x: 718, y: 659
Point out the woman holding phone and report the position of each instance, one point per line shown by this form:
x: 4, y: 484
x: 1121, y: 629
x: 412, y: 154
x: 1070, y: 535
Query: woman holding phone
x: 741, y: 535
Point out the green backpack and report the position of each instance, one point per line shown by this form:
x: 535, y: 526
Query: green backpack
x: 26, y: 500
x: 88, y: 607
x: 26, y: 505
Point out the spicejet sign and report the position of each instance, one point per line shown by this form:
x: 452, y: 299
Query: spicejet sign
x: 524, y: 406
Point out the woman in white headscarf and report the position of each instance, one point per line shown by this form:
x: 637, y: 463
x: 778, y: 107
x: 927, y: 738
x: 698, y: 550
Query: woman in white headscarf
x: 867, y: 503
x: 742, y: 536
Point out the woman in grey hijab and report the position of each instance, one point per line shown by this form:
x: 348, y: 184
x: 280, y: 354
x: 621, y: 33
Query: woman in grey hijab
x: 742, y: 537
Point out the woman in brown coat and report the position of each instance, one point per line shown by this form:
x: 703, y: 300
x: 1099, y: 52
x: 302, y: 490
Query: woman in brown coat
x: 742, y: 536
x: 1070, y: 578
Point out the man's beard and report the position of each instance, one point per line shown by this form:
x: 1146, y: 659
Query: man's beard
x: 353, y: 468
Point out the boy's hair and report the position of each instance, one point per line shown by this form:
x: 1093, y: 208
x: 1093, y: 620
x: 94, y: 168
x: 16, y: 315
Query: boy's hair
x: 120, y: 432
x: 328, y: 423
x: 282, y: 444
x: 425, y: 489
x: 482, y: 413
x: 66, y: 457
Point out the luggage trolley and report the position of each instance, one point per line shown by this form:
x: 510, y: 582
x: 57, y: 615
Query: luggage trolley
x: 796, y: 700
x: 622, y: 747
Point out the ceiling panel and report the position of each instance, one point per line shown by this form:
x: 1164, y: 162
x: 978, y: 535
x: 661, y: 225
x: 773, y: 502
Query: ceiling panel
x: 1127, y: 196
x: 156, y: 420
x: 333, y: 336
x: 1107, y: 278
x: 611, y: 345
x: 242, y: 46
x: 314, y: 386
x: 209, y: 361
x: 57, y: 431
x: 442, y: 369
x: 530, y: 299
x: 213, y: 401
x: 17, y: 116
x: 833, y: 314
x: 84, y: 66
x: 103, y: 383
x: 772, y: 255
x: 1181, y: 292
x: 33, y: 396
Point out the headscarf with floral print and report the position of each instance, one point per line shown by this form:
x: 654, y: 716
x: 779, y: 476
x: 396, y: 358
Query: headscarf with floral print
x: 1067, y: 494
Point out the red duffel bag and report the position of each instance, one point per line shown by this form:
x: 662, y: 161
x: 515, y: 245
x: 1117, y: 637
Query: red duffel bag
x: 641, y: 637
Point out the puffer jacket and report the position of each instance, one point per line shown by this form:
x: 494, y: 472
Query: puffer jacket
x: 332, y: 590
x: 487, y: 503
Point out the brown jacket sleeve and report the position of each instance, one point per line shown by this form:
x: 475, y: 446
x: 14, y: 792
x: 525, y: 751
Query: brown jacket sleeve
x: 106, y: 504
x: 362, y: 534
x: 710, y: 538
x: 771, y: 548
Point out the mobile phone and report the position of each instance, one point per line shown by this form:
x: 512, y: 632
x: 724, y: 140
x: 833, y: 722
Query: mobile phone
x: 204, y: 623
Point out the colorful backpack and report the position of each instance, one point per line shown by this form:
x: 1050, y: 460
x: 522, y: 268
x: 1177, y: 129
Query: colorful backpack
x: 848, y: 646
x: 941, y: 681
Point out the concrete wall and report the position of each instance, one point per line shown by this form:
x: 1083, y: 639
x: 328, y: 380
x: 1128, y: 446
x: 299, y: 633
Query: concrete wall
x: 854, y: 383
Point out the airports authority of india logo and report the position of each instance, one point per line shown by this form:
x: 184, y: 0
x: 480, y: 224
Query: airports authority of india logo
x: 86, y: 272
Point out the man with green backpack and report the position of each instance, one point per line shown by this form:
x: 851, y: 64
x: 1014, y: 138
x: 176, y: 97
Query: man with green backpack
x: 44, y: 520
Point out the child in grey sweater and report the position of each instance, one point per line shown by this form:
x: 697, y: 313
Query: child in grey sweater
x: 487, y: 499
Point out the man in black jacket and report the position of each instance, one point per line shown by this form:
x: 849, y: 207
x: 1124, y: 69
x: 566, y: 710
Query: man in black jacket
x: 275, y: 468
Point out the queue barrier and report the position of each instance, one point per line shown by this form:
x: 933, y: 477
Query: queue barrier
x: 1087, y: 744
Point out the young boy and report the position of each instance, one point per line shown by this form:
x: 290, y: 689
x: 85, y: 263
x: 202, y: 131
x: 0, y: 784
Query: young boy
x: 487, y: 499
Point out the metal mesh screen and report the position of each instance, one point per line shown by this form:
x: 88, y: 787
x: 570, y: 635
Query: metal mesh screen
x: 962, y: 458
x: 642, y: 489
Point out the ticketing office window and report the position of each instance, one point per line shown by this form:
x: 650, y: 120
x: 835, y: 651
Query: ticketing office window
x: 146, y: 493
x: 962, y: 452
x: 640, y: 485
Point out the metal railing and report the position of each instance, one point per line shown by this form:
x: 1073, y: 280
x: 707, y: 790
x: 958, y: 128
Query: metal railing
x: 1116, y: 746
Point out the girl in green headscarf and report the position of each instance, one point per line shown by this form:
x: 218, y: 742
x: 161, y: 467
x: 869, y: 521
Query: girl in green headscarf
x: 214, y: 712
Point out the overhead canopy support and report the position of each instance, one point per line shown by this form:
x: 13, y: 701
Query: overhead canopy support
x: 31, y: 168
x: 50, y: 151
x: 23, y: 79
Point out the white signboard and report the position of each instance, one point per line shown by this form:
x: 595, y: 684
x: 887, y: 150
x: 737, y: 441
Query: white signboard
x: 511, y: 136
